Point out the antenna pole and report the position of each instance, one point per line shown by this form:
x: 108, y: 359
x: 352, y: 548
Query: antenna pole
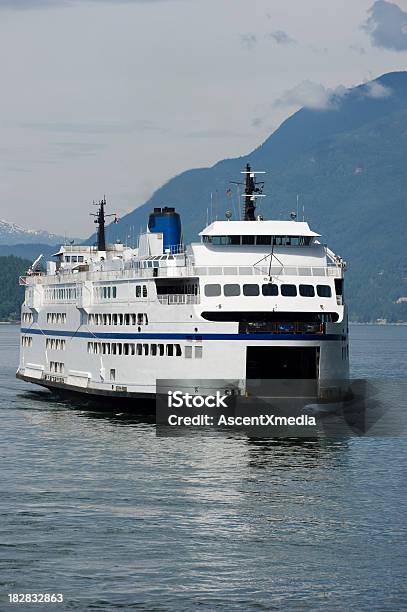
x: 101, y: 226
x: 250, y: 188
x: 101, y: 221
x: 252, y: 191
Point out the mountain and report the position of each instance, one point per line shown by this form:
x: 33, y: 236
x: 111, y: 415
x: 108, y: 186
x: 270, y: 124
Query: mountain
x: 11, y: 294
x: 11, y: 233
x: 347, y: 162
x: 28, y: 251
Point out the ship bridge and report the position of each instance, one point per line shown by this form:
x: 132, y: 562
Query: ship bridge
x: 287, y: 243
x: 258, y: 232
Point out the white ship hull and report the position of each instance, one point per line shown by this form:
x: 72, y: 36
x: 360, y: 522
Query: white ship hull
x: 175, y: 344
x: 254, y: 300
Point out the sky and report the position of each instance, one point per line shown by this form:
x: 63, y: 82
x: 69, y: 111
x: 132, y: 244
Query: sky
x: 117, y: 96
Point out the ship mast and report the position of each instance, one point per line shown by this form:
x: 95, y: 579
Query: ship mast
x: 101, y: 221
x: 252, y: 190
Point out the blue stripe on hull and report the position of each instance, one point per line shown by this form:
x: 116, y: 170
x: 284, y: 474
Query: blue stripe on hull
x: 157, y: 336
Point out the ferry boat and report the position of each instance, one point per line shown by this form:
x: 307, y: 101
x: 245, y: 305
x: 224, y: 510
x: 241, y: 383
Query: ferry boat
x: 253, y: 299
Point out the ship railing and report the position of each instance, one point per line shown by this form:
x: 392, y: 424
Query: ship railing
x: 275, y: 327
x: 178, y: 298
x: 177, y: 249
x: 275, y: 271
x: 184, y: 271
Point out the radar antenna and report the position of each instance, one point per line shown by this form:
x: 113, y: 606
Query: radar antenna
x: 101, y: 220
x: 253, y: 190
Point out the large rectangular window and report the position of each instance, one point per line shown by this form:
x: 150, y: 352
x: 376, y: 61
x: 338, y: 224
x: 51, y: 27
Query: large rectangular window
x: 212, y: 290
x: 221, y: 240
x: 251, y: 290
x: 324, y: 291
x: 263, y: 240
x: 269, y: 289
x: 247, y: 239
x: 231, y: 290
x: 307, y: 290
x: 288, y: 290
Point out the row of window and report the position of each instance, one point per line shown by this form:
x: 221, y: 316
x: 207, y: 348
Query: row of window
x: 130, y: 348
x: 106, y: 292
x: 57, y: 367
x: 154, y: 261
x: 259, y: 240
x: 177, y: 288
x: 151, y: 262
x: 74, y: 258
x: 27, y: 317
x: 56, y: 318
x: 61, y: 294
x: 127, y: 318
x: 109, y: 292
x: 26, y: 341
x: 269, y: 289
x: 55, y: 344
x: 141, y: 291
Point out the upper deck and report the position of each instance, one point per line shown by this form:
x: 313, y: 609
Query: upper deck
x: 243, y: 248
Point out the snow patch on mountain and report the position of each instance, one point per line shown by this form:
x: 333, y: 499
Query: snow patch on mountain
x: 12, y: 233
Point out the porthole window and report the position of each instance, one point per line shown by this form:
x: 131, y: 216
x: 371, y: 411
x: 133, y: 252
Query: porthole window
x: 231, y: 290
x: 324, y: 291
x: 269, y: 289
x: 307, y: 290
x: 251, y: 290
x: 212, y: 290
x: 288, y: 290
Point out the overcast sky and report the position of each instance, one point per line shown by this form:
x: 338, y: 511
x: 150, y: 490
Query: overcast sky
x: 116, y: 97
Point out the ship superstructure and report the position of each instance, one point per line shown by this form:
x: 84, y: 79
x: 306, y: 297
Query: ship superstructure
x: 254, y: 299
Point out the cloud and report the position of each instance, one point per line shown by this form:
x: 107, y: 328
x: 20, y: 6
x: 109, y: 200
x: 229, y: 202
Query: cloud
x: 374, y: 89
x: 73, y: 150
x: 387, y: 26
x: 313, y: 96
x: 97, y: 127
x: 248, y: 40
x: 257, y: 122
x: 38, y: 4
x: 282, y: 38
x: 358, y: 49
x: 30, y: 4
x: 217, y: 133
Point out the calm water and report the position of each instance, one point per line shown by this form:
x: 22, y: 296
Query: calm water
x: 93, y: 505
